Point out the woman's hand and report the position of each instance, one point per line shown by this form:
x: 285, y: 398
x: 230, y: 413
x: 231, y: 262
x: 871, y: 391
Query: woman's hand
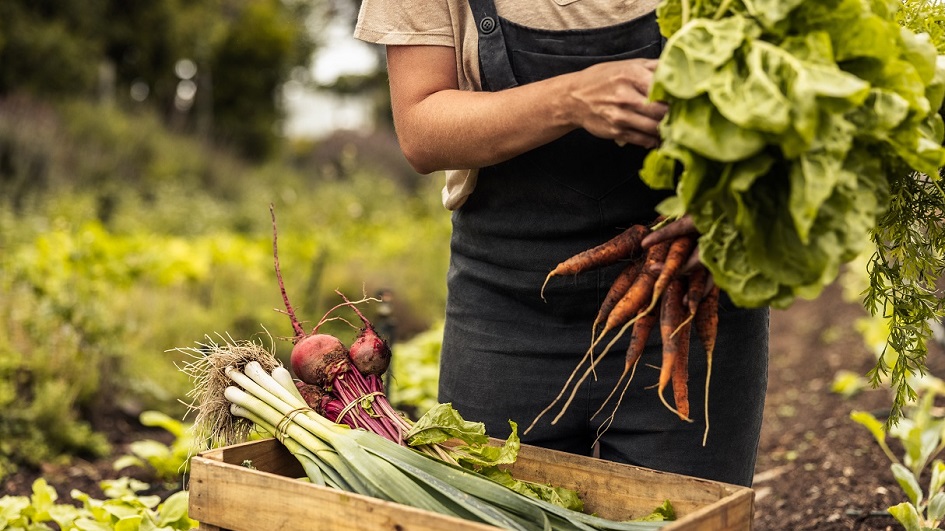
x: 441, y: 127
x: 611, y: 100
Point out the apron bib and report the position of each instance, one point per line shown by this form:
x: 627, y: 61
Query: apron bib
x: 507, y: 352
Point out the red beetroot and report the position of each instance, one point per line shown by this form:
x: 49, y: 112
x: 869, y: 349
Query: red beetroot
x: 314, y: 396
x: 370, y: 353
x: 318, y: 359
x: 322, y: 360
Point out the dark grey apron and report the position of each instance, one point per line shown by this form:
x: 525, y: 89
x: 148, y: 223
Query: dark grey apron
x: 507, y: 353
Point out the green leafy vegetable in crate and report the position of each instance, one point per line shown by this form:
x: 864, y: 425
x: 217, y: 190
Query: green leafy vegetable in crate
x: 799, y: 130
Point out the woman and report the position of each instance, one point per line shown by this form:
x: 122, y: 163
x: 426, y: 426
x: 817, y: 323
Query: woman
x: 539, y: 112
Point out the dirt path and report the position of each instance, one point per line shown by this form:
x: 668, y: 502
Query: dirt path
x: 817, y: 469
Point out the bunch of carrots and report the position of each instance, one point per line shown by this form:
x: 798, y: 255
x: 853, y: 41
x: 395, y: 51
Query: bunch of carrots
x: 662, y: 282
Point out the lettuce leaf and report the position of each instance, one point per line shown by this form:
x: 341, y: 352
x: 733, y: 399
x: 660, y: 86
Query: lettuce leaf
x: 785, y: 120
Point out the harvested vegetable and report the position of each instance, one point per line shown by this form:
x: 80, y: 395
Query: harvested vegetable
x: 797, y: 132
x: 707, y: 323
x: 657, y: 275
x: 677, y: 254
x: 641, y: 292
x: 617, y: 291
x: 675, y: 336
x: 625, y: 244
x: 385, y: 455
x: 370, y: 353
x: 240, y: 386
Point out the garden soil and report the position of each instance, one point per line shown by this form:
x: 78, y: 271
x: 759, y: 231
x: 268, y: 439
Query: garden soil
x: 816, y: 470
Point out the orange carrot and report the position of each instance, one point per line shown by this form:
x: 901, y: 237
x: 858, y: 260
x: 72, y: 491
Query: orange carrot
x: 625, y: 312
x: 620, y: 247
x: 697, y: 284
x: 640, y: 292
x: 707, y: 319
x: 698, y: 280
x: 656, y: 256
x: 617, y: 290
x: 641, y: 333
x: 681, y: 372
x: 676, y: 256
x: 672, y: 312
x: 707, y: 324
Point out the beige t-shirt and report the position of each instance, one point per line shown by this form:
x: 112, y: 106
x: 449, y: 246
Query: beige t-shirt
x: 451, y: 23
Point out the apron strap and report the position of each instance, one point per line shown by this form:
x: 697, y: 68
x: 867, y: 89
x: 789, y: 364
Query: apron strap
x: 494, y: 64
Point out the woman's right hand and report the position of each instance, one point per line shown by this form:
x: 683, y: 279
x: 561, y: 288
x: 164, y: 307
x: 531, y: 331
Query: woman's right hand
x: 441, y: 127
x: 611, y: 100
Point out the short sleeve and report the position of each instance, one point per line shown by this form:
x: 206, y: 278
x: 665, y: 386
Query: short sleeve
x: 394, y: 22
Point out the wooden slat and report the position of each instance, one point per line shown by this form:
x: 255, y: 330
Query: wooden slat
x: 227, y: 495
x: 732, y: 513
x: 616, y: 491
x: 241, y: 499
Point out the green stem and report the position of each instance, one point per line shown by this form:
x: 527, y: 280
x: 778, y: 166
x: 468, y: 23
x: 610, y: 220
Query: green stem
x: 937, y: 187
x: 255, y: 409
x: 723, y: 7
x: 284, y: 377
x: 255, y: 371
x: 316, y: 467
x: 685, y: 8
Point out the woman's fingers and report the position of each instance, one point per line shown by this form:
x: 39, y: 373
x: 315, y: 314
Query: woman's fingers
x: 638, y: 138
x: 681, y: 227
x: 611, y: 100
x: 693, y: 262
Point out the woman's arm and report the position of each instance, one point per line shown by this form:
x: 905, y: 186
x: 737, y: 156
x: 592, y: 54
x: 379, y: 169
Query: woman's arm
x: 441, y: 127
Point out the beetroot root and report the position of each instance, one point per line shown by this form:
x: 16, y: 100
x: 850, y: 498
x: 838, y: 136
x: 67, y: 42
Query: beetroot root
x: 317, y: 359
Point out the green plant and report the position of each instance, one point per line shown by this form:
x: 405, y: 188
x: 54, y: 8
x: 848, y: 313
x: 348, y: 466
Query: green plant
x: 415, y: 368
x: 169, y: 462
x: 848, y: 383
x: 920, y: 432
x: 122, y: 509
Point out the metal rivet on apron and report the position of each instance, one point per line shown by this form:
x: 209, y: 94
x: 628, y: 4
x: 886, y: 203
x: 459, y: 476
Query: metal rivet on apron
x: 487, y: 25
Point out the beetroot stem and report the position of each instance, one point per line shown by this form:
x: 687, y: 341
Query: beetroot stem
x: 352, y: 305
x: 296, y: 325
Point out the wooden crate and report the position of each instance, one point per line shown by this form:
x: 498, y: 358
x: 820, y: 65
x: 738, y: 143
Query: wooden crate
x: 226, y: 494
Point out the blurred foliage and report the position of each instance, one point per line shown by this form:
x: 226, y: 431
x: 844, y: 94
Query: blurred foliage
x: 416, y: 375
x: 166, y: 462
x: 140, y: 149
x: 121, y: 241
x: 128, y: 52
x: 123, y: 508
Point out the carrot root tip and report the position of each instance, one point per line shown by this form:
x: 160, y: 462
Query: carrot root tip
x: 671, y: 408
x: 545, y: 283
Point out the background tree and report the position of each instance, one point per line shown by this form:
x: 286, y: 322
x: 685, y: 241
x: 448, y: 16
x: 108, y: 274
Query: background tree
x: 240, y: 52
